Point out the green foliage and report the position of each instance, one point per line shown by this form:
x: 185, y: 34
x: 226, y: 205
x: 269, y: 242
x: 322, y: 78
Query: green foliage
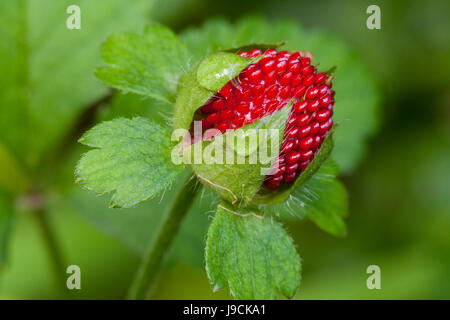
x: 135, y: 227
x: 252, y: 253
x: 148, y: 65
x: 47, y: 77
x: 6, y: 218
x: 356, y: 95
x: 132, y: 158
x: 238, y: 182
x: 47, y: 83
x: 323, y: 199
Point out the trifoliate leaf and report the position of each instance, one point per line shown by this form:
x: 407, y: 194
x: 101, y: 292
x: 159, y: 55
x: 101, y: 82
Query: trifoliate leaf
x: 47, y: 78
x: 132, y: 160
x: 252, y: 254
x: 148, y: 64
x: 231, y: 164
x: 216, y: 70
x: 6, y: 218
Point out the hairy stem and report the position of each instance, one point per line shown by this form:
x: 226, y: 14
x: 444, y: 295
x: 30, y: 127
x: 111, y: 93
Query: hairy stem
x: 53, y: 249
x: 162, y: 240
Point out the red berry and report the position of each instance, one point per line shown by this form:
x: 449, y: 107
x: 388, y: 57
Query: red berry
x: 267, y: 86
x: 254, y: 53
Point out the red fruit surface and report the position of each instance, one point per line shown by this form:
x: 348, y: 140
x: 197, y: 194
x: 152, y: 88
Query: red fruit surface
x: 267, y: 86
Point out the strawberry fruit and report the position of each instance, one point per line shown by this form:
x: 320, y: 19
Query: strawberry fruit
x: 267, y: 86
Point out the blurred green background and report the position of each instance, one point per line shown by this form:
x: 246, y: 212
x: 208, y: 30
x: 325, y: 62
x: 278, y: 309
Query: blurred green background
x: 399, y: 193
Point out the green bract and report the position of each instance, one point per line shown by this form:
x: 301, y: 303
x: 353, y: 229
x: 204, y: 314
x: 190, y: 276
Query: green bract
x: 238, y: 180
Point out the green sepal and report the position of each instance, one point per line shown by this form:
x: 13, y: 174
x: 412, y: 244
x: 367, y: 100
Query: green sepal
x: 238, y: 182
x: 198, y: 85
x: 262, y: 46
x: 191, y: 96
x: 218, y: 69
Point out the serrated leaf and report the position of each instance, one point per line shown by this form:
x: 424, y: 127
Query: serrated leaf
x: 218, y: 69
x: 252, y: 254
x: 6, y: 218
x: 238, y: 182
x: 132, y: 160
x: 149, y: 65
x: 356, y: 94
x: 135, y: 227
x: 47, y: 69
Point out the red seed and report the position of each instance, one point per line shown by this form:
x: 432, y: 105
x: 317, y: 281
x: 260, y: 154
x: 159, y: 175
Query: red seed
x: 305, y: 70
x: 289, y: 177
x: 287, y: 146
x: 292, y: 168
x: 306, y: 143
x: 304, y: 131
x: 312, y: 93
x: 313, y: 106
x: 281, y: 66
x: 299, y: 91
x: 306, y: 155
x: 323, y: 115
x: 270, y: 52
x: 305, y: 61
x: 302, y: 120
x: 320, y: 77
x: 309, y: 80
x: 268, y: 66
x: 301, y: 106
x: 286, y: 78
x: 254, y: 53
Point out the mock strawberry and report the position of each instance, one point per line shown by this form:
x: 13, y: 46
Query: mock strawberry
x: 267, y: 86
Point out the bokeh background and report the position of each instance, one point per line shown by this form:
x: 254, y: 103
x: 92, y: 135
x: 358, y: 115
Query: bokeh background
x: 399, y: 193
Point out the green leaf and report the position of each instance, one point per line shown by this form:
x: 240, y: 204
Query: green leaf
x: 6, y: 218
x: 323, y: 199
x: 131, y: 105
x: 135, y: 227
x: 252, y: 253
x: 149, y: 65
x: 233, y: 181
x: 218, y: 69
x: 47, y: 78
x: 132, y: 159
x: 356, y: 93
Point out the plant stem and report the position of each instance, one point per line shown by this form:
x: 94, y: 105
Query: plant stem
x: 53, y: 249
x: 160, y: 244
